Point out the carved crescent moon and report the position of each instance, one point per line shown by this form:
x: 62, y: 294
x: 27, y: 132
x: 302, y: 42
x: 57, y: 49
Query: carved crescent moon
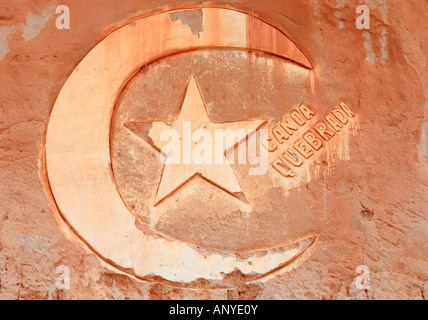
x: 77, y: 151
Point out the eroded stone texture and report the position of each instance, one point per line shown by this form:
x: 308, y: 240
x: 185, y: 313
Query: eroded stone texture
x: 211, y: 218
x: 366, y: 198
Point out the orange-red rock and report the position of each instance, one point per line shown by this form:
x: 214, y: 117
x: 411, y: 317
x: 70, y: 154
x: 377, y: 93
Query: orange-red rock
x: 363, y: 194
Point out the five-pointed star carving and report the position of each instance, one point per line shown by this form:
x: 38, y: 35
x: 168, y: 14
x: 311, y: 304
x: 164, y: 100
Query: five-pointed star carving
x: 176, y: 175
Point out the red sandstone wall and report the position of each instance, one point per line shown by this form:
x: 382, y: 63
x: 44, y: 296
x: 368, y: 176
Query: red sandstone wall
x: 372, y: 206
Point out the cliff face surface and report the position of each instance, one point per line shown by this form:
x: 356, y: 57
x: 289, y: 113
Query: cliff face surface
x: 337, y: 209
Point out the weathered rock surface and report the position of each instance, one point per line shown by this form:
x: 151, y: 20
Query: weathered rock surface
x: 366, y: 199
